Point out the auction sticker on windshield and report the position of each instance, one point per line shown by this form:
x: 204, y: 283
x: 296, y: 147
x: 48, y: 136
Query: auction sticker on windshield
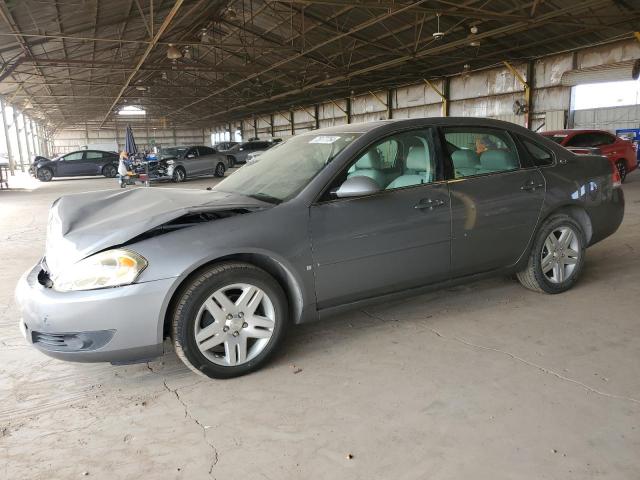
x: 324, y: 139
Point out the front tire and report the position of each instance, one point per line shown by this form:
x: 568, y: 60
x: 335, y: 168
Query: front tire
x: 622, y: 170
x: 557, y: 256
x: 44, y: 174
x: 179, y: 175
x: 229, y: 320
x: 220, y: 169
x: 109, y: 171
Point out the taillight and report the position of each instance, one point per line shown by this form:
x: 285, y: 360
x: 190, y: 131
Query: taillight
x: 616, y: 180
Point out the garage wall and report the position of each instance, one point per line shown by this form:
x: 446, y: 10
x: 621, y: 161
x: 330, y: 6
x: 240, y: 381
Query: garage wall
x: 608, y: 118
x: 68, y: 140
x: 486, y: 93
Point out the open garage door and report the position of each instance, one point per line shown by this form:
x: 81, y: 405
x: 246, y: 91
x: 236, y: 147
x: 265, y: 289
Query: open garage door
x: 610, y: 72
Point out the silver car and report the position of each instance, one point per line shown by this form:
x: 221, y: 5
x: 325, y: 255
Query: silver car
x: 194, y: 161
x: 238, y: 153
x: 330, y: 220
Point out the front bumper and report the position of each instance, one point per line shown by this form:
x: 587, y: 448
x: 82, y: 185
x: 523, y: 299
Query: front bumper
x: 118, y: 325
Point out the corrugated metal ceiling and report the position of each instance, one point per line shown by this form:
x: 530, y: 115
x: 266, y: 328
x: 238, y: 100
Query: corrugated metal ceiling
x: 70, y: 58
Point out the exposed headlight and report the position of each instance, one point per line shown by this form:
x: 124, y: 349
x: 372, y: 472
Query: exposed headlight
x: 111, y: 268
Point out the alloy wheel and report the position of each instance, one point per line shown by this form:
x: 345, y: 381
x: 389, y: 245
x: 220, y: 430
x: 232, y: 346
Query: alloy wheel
x: 178, y: 175
x: 234, y: 324
x: 560, y: 254
x: 45, y: 174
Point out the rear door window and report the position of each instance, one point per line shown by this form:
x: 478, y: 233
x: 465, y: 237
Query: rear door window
x: 479, y: 151
x: 205, y: 151
x: 93, y: 155
x: 582, y: 140
x: 604, y: 139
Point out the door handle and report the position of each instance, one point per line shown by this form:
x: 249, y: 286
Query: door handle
x: 531, y: 186
x: 429, y: 203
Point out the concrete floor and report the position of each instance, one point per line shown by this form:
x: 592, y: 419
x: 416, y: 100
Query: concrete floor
x: 483, y: 381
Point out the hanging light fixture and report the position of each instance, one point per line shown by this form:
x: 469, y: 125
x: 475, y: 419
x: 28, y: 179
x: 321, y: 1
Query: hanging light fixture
x: 204, y: 35
x: 438, y: 34
x: 173, y: 53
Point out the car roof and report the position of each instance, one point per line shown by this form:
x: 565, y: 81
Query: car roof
x: 89, y: 150
x: 572, y: 131
x: 417, y: 122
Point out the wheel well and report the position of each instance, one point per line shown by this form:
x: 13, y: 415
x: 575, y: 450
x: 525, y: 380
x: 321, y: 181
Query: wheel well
x: 274, y: 268
x: 580, y: 215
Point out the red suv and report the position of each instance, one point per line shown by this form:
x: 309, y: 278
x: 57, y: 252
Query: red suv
x: 621, y: 153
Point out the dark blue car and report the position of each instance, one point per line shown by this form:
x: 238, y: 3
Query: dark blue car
x: 76, y: 164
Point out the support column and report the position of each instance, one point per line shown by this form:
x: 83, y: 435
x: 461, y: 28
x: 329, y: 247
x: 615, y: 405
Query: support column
x: 348, y: 110
x: 273, y: 127
x: 34, y: 135
x: 26, y: 139
x: 15, y: 122
x: 390, y: 104
x: 446, y: 82
x: 117, y: 141
x: 316, y: 111
x: 292, y: 121
x: 12, y: 162
x: 529, y: 93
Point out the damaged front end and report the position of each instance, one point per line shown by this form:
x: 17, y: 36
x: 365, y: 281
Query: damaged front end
x: 105, y: 224
x: 188, y: 220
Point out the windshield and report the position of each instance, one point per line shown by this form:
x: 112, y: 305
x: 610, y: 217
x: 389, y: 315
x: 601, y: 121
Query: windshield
x: 172, y: 152
x: 558, y: 137
x: 286, y: 169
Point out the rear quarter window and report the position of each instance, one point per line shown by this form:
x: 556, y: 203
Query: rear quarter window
x: 540, y: 155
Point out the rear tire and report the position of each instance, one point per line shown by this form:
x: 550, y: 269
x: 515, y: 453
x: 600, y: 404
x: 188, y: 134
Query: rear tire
x: 220, y: 169
x: 621, y: 165
x: 44, y: 174
x: 206, y: 331
x: 557, y: 256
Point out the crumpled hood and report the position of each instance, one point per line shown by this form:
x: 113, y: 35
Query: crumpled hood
x: 86, y: 223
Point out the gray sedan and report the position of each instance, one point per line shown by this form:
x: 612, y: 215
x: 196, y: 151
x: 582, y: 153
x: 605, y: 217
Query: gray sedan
x: 330, y: 220
x: 185, y: 162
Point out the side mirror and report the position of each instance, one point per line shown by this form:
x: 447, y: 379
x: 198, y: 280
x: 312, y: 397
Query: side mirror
x: 357, y: 187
